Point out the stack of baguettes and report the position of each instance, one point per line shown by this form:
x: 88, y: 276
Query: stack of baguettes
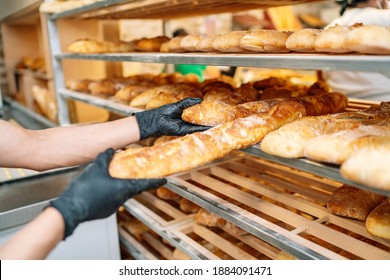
x: 367, y: 39
x: 194, y: 150
x: 358, y: 141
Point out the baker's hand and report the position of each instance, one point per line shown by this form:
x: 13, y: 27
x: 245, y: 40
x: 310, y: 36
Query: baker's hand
x: 166, y: 120
x: 96, y: 195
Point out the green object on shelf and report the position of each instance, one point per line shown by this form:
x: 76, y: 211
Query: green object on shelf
x: 191, y: 69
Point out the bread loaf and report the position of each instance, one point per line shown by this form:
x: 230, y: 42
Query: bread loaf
x: 378, y: 221
x: 206, y: 218
x: 167, y: 194
x: 214, y: 113
x: 142, y: 99
x: 88, y: 46
x: 303, y: 40
x: 265, y: 41
x: 369, y: 39
x: 190, y: 42
x: 229, y: 42
x: 349, y: 201
x: 173, y: 96
x: 333, y: 40
x: 205, y: 43
x: 199, y: 148
x: 173, y: 45
x: 80, y: 85
x: 188, y: 206
x: 370, y: 164
x: 289, y: 141
x: 336, y: 147
x: 129, y: 92
x: 150, y: 44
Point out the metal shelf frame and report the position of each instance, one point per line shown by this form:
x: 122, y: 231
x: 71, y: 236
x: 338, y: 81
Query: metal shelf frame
x: 352, y: 62
x: 255, y: 226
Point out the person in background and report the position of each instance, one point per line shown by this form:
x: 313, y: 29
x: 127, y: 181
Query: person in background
x: 94, y: 194
x: 362, y: 85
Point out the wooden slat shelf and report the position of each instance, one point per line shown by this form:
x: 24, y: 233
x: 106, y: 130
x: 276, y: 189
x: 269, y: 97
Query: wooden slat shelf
x: 279, y: 212
x: 167, y: 9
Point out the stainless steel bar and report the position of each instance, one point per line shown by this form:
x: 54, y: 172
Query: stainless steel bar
x: 368, y: 63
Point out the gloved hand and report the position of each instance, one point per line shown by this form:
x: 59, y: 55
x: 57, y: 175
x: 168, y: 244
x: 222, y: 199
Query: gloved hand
x: 96, y: 195
x: 166, y: 120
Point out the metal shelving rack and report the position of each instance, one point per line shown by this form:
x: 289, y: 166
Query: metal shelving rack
x: 112, y: 9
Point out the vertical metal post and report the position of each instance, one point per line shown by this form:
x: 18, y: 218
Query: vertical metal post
x: 58, y: 73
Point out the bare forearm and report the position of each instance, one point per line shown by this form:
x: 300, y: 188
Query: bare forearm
x: 37, y: 239
x: 67, y: 146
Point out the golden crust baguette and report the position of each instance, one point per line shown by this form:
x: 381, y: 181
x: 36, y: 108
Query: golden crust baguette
x: 142, y: 99
x: 199, y: 148
x: 333, y: 40
x: 370, y: 164
x: 190, y: 42
x: 303, y: 40
x: 78, y: 84
x: 128, y: 92
x: 229, y: 42
x: 208, y: 219
x: 205, y: 43
x: 289, y: 141
x: 369, y: 39
x: 209, y: 114
x: 87, y: 46
x: 173, y: 45
x: 336, y: 147
x: 170, y: 97
x: 167, y: 194
x: 378, y: 221
x: 352, y: 202
x: 265, y: 41
x: 150, y: 44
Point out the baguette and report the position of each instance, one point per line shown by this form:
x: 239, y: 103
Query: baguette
x: 150, y: 44
x: 349, y: 201
x: 289, y: 141
x: 370, y: 164
x: 207, y: 113
x: 369, y: 39
x: 333, y: 40
x: 265, y: 41
x: 88, y: 46
x: 190, y: 42
x: 336, y: 147
x: 173, y: 45
x: 170, y: 97
x: 378, y: 221
x: 142, y: 99
x: 303, y: 40
x: 194, y: 150
x: 205, y: 43
x: 229, y: 42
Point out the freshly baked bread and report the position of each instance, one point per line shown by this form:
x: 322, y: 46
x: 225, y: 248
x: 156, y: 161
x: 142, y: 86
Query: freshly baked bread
x: 272, y: 82
x: 144, y: 98
x: 214, y: 113
x: 150, y: 44
x: 128, y: 92
x: 205, y: 43
x: 303, y: 40
x: 333, y: 40
x: 193, y: 150
x: 206, y: 218
x: 352, y: 202
x: 378, y: 221
x: 265, y: 41
x: 173, y: 45
x: 88, y: 46
x: 80, y: 85
x: 229, y: 42
x: 369, y: 39
x: 105, y: 87
x: 117, y: 47
x: 190, y: 42
x: 188, y: 206
x: 289, y: 141
x: 167, y: 194
x: 170, y: 97
x: 336, y: 147
x: 370, y: 164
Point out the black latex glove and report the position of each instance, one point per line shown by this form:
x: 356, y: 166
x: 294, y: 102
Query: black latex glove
x: 96, y: 195
x: 166, y: 120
